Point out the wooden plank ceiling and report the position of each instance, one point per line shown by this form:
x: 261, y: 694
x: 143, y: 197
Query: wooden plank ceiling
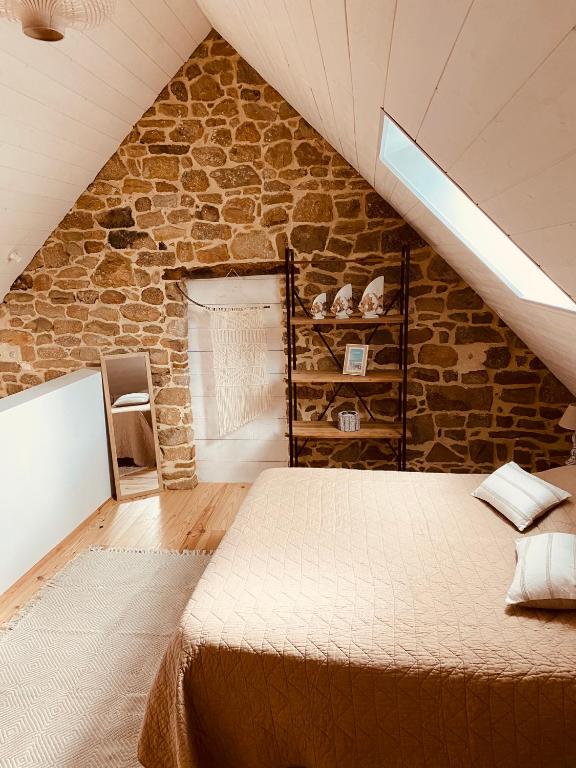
x: 65, y: 107
x: 487, y: 88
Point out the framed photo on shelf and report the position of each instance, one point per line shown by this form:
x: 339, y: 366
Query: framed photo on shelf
x: 356, y: 359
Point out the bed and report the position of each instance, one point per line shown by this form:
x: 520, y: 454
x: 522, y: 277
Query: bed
x: 134, y: 435
x: 355, y: 619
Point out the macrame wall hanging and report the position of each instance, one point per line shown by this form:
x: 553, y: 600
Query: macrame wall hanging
x: 239, y: 361
x: 239, y: 352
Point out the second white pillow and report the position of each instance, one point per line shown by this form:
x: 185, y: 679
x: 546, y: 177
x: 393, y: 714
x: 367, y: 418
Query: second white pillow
x: 518, y: 495
x: 545, y: 574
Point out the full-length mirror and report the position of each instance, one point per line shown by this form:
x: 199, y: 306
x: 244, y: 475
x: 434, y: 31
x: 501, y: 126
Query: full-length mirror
x: 131, y: 424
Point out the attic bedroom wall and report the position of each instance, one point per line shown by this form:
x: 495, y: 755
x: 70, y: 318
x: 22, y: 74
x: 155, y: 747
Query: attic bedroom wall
x: 222, y: 170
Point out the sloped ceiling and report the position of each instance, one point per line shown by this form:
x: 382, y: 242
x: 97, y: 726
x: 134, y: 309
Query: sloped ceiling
x: 487, y: 88
x: 65, y: 107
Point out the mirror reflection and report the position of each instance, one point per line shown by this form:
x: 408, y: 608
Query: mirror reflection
x: 131, y: 419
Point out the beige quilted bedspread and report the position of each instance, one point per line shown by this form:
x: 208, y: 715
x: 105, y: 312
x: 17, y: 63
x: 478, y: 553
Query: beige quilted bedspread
x: 356, y: 619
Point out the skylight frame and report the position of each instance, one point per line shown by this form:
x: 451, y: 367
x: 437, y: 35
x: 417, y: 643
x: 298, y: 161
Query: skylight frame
x: 475, y: 229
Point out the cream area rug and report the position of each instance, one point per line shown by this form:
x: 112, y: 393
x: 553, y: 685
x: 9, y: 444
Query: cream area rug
x: 76, y: 666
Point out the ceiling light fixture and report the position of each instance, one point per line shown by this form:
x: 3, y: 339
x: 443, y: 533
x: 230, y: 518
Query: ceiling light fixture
x: 48, y: 19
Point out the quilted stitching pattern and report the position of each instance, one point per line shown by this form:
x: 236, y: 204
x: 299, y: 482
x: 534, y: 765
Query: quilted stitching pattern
x: 356, y: 619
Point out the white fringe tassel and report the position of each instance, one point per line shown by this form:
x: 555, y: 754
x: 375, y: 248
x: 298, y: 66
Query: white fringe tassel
x: 24, y: 610
x: 239, y: 346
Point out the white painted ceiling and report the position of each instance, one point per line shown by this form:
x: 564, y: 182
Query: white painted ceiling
x: 65, y: 107
x: 486, y: 87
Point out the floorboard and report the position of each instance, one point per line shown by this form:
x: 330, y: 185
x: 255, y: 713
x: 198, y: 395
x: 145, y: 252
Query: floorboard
x: 171, y: 520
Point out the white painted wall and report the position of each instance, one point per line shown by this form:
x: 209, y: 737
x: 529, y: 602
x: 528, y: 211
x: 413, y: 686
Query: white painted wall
x: 243, y: 454
x: 54, y: 469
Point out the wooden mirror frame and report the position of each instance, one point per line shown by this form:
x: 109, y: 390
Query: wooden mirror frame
x: 111, y: 436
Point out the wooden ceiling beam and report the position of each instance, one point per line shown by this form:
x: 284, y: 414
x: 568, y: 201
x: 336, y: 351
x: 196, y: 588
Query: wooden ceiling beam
x: 223, y: 270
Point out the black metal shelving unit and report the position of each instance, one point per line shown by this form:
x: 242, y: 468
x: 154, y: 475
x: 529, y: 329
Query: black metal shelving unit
x: 392, y: 434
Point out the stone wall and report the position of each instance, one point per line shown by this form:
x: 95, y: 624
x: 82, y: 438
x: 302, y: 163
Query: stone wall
x: 477, y: 396
x: 222, y: 170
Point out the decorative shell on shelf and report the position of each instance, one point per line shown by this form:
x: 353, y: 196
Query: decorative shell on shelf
x: 342, y: 306
x: 372, y: 301
x: 318, y: 307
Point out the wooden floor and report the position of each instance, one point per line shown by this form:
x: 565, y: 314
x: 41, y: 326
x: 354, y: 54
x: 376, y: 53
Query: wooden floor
x: 172, y: 520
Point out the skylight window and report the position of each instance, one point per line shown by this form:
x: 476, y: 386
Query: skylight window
x: 468, y: 222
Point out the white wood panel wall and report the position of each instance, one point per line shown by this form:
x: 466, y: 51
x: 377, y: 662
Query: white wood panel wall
x: 261, y: 444
x: 65, y: 108
x: 486, y: 87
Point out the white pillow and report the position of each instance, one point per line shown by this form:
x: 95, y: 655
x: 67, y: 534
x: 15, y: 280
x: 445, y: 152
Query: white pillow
x: 518, y: 495
x: 132, y: 398
x: 545, y: 574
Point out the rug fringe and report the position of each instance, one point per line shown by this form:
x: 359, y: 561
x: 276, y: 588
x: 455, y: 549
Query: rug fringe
x: 24, y: 610
x: 21, y: 614
x: 137, y: 551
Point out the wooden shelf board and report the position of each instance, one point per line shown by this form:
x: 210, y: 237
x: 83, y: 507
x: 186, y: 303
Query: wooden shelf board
x: 337, y: 377
x: 383, y: 320
x: 327, y: 430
